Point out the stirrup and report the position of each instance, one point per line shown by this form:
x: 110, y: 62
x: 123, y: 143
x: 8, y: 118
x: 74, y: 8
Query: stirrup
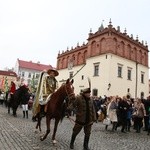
x: 42, y: 114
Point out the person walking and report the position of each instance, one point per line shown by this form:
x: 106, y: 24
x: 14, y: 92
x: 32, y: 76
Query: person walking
x: 85, y: 116
x: 24, y: 102
x: 123, y: 108
x: 139, y: 113
x: 146, y: 103
x: 112, y: 112
x: 12, y: 90
x: 46, y: 86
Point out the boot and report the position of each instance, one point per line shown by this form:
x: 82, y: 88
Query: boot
x: 86, y: 142
x: 123, y: 129
x: 72, y: 141
x: 128, y: 128
x: 34, y: 118
x: 14, y: 112
x: 138, y: 130
x: 26, y: 114
x: 23, y: 114
x: 42, y: 112
x: 8, y: 110
x: 106, y: 127
x: 114, y: 126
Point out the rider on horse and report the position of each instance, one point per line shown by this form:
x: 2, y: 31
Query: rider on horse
x: 46, y: 86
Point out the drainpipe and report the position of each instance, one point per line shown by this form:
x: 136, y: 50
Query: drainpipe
x: 136, y: 80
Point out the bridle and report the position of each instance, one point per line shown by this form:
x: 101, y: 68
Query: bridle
x: 69, y: 95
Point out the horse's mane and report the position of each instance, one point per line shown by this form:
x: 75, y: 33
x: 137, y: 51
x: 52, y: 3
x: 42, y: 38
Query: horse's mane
x: 60, y: 90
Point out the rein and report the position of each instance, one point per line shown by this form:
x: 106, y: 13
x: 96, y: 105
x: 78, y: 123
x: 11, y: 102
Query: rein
x: 73, y: 121
x: 68, y: 95
x: 70, y: 119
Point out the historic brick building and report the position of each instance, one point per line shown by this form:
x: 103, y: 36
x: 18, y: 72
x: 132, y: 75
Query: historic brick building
x: 116, y: 63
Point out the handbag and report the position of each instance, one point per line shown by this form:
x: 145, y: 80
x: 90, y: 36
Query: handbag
x: 107, y: 121
x: 101, y: 117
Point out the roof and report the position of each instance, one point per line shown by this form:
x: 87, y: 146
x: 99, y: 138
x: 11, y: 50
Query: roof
x: 33, y: 66
x: 8, y: 73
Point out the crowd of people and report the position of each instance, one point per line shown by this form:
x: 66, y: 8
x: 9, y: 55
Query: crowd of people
x: 124, y: 112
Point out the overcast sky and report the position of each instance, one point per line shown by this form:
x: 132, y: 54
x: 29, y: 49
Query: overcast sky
x: 36, y: 30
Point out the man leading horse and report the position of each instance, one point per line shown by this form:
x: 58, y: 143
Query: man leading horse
x: 46, y: 86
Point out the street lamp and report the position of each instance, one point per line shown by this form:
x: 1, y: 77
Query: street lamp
x: 109, y: 85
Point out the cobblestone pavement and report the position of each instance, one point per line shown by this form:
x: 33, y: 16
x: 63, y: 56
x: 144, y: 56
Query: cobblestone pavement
x: 17, y: 133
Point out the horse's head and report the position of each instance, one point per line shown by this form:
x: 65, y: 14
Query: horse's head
x: 69, y: 89
x: 18, y: 95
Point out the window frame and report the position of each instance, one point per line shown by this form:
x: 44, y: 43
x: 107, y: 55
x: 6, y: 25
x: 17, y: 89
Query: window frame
x: 119, y: 72
x: 96, y: 69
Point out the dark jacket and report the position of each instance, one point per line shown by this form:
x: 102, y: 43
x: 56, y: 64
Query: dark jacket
x: 123, y: 108
x: 85, y: 111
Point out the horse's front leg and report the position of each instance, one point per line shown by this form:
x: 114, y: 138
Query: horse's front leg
x: 54, y: 131
x: 38, y: 125
x: 48, y: 128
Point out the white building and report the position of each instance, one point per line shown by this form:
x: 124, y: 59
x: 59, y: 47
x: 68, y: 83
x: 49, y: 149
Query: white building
x: 29, y: 71
x: 115, y: 62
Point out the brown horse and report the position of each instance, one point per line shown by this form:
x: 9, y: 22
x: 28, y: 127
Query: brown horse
x: 55, y: 108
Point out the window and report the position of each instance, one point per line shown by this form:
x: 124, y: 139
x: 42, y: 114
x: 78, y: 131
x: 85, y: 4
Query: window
x: 29, y: 75
x: 96, y: 69
x: 37, y: 76
x: 142, y: 77
x: 71, y: 75
x: 22, y: 74
x: 82, y: 77
x: 120, y: 71
x: 95, y: 92
x: 129, y: 74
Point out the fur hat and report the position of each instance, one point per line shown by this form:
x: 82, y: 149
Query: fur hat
x: 54, y: 70
x: 86, y: 90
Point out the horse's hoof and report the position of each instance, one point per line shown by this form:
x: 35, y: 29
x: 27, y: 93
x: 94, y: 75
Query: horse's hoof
x: 54, y: 141
x: 41, y: 138
x: 36, y: 131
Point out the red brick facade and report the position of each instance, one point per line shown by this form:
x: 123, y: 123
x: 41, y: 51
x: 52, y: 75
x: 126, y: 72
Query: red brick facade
x: 106, y: 40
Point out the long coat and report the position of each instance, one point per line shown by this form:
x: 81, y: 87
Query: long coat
x: 112, y: 111
x: 46, y: 86
x: 85, y: 111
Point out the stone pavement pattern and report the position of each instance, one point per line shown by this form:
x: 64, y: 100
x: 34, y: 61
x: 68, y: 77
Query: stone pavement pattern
x: 19, y: 134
